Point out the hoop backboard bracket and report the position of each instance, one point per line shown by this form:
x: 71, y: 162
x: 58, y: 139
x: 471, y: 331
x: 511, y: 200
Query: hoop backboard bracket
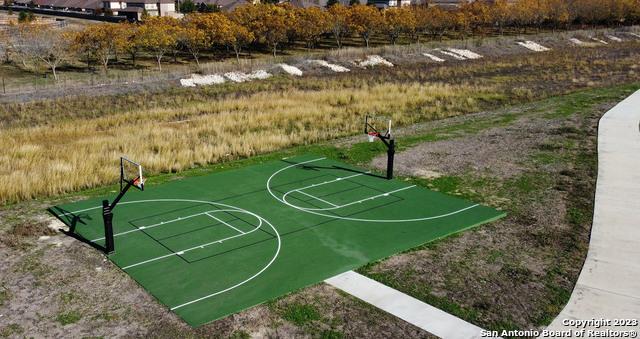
x: 376, y: 127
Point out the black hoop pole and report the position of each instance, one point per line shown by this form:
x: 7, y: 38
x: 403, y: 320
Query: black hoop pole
x: 390, y: 142
x: 107, y: 216
x: 391, y: 151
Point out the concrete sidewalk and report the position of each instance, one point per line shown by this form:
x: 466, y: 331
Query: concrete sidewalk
x: 405, y: 307
x: 609, y: 284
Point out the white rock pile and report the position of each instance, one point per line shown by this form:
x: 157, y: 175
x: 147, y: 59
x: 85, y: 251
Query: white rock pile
x: 433, y: 57
x: 533, y: 46
x: 576, y: 41
x: 373, y: 60
x: 465, y: 53
x: 334, y: 67
x: 614, y: 38
x: 291, y: 70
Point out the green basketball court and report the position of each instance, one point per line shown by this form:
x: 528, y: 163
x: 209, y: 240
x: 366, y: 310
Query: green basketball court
x: 210, y: 246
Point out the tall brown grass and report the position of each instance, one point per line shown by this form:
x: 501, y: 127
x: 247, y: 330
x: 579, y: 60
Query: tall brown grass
x: 71, y: 155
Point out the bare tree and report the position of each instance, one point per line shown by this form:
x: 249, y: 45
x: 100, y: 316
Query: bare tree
x: 18, y: 42
x: 48, y: 46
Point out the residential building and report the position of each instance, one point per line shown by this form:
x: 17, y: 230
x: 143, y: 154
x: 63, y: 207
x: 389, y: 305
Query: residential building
x: 131, y: 9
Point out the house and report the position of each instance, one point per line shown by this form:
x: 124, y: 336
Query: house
x: 393, y: 3
x: 85, y: 6
x: 133, y: 9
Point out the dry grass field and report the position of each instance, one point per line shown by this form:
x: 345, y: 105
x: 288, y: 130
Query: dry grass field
x: 56, y: 146
x: 75, y: 154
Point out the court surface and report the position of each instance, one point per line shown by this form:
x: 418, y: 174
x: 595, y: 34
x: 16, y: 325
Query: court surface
x: 210, y: 246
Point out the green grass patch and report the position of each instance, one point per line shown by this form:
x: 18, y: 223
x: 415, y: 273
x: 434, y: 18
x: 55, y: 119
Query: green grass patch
x: 583, y: 102
x: 240, y: 335
x: 4, y: 295
x: 331, y: 334
x: 527, y: 183
x: 548, y: 158
x: 578, y: 216
x: 68, y: 297
x: 445, y: 184
x: 67, y: 318
x: 494, y: 256
x: 300, y: 314
x: 12, y: 329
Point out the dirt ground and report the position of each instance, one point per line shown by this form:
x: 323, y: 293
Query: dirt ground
x: 519, y: 271
x: 54, y: 286
x: 500, y: 151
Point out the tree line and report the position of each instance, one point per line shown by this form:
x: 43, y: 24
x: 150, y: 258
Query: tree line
x: 278, y: 26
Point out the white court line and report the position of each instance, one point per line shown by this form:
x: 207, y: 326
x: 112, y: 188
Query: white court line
x: 181, y: 252
x: 235, y: 209
x: 331, y: 181
x: 317, y: 198
x: 300, y: 190
x: 142, y: 228
x: 224, y: 222
x: 268, y: 184
x: 386, y: 194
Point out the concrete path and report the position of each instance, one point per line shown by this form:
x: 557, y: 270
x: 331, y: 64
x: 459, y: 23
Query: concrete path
x: 609, y: 284
x: 405, y: 307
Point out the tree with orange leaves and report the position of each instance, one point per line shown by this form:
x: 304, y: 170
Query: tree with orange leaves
x: 365, y: 21
x: 192, y: 37
x: 159, y: 35
x: 311, y: 24
x: 339, y: 22
x: 131, y: 37
x: 501, y: 14
x: 101, y: 41
x: 268, y: 23
x: 477, y: 14
x: 433, y: 21
x: 240, y: 37
x: 559, y: 14
x: 399, y: 21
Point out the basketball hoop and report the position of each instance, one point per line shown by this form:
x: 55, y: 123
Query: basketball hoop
x: 130, y: 174
x: 372, y: 136
x: 379, y: 127
x: 138, y: 182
